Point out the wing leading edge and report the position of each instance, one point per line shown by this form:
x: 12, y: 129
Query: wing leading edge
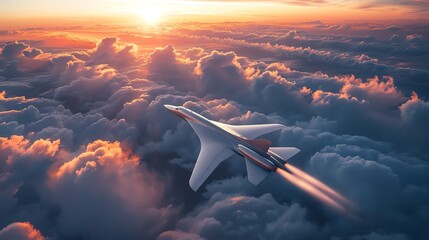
x: 250, y: 131
x: 212, y: 153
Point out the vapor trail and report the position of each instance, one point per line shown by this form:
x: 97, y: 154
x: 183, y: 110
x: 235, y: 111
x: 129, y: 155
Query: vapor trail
x: 318, y: 190
x: 320, y: 185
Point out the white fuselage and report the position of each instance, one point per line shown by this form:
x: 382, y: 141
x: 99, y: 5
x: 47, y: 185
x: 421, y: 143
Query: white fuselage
x: 237, y: 143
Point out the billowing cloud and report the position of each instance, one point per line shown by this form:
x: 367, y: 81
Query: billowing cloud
x: 20, y: 231
x: 222, y: 74
x: 165, y: 66
x: 107, y: 171
x: 232, y: 217
x: 88, y: 150
x: 109, y: 52
x: 13, y: 49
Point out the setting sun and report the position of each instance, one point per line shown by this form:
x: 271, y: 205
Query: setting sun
x: 151, y: 16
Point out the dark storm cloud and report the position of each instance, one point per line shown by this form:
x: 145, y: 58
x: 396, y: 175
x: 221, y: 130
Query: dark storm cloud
x: 88, y: 150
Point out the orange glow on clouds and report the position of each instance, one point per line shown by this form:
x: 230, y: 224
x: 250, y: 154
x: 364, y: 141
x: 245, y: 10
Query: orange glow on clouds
x: 15, y: 147
x: 237, y: 199
x: 21, y: 230
x: 97, y: 153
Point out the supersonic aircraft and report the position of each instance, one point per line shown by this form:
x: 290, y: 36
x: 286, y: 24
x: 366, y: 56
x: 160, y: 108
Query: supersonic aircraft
x: 219, y: 141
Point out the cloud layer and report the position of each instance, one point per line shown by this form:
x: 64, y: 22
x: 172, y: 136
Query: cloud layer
x: 89, y: 152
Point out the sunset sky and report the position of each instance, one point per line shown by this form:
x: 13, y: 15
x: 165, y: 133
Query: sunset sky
x: 190, y: 10
x: 88, y: 151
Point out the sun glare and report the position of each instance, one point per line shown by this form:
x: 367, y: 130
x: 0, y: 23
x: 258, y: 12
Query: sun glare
x: 151, y: 16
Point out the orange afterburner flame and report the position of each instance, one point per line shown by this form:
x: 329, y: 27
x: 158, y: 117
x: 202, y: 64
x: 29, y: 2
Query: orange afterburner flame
x: 317, y: 189
x: 320, y: 185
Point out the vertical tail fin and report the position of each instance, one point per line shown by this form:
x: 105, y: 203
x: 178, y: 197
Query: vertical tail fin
x: 284, y: 152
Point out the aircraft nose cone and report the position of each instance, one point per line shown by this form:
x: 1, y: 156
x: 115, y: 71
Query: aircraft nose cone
x: 170, y: 107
